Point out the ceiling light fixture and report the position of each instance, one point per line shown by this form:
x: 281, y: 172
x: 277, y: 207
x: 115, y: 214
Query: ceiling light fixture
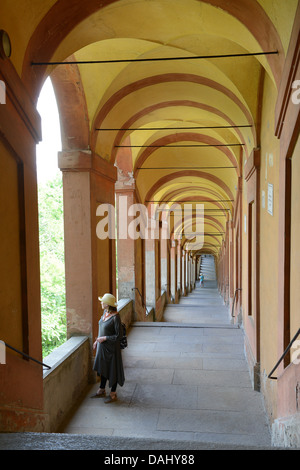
x: 5, y: 45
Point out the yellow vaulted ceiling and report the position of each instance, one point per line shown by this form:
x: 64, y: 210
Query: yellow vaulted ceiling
x: 175, y: 96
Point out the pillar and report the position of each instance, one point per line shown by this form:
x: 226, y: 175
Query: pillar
x: 88, y: 182
x: 130, y: 249
x: 188, y: 272
x: 165, y: 261
x: 183, y: 272
x: 125, y: 197
x: 179, y: 268
x: 174, y: 262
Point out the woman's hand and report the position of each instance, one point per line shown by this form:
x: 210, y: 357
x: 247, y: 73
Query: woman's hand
x: 101, y: 339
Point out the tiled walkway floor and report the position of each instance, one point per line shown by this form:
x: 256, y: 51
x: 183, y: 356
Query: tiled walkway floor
x: 186, y: 379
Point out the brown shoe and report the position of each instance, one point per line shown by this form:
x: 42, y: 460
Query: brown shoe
x: 111, y: 399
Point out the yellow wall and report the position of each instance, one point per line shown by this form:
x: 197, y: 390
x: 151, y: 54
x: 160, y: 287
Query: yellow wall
x: 295, y: 251
x: 270, y: 151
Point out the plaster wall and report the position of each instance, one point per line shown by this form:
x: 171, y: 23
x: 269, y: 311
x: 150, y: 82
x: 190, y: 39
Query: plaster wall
x: 269, y: 222
x: 295, y: 251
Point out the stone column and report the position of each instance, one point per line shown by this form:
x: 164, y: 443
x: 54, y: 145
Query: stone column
x: 88, y: 182
x: 125, y: 197
x: 188, y: 268
x: 193, y: 273
x: 179, y: 268
x: 174, y: 295
x: 130, y: 249
x: 183, y: 271
x: 165, y: 260
x: 151, y: 271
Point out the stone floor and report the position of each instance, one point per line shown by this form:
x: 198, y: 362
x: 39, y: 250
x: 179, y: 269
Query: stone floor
x: 186, y: 380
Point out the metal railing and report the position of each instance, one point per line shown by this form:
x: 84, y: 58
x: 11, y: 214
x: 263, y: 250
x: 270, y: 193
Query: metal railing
x: 27, y: 356
x: 143, y: 303
x: 233, y: 316
x: 283, y: 355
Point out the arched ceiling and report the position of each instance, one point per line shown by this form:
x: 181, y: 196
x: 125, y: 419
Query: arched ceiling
x: 188, y: 125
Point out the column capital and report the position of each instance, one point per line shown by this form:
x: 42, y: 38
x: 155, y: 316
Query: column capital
x: 86, y: 160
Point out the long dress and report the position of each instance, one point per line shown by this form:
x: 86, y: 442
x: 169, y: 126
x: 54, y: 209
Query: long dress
x: 108, y: 361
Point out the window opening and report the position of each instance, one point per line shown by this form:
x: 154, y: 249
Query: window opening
x: 51, y: 230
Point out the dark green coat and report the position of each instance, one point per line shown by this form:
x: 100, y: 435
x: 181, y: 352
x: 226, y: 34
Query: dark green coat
x: 108, y: 361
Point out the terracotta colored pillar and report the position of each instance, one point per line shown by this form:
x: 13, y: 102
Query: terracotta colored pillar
x: 88, y: 186
x: 194, y: 271
x: 151, y: 271
x: 165, y: 260
x: 174, y: 251
x: 130, y: 247
x: 183, y: 272
x: 153, y: 280
x: 179, y: 268
x: 188, y: 272
x: 125, y: 197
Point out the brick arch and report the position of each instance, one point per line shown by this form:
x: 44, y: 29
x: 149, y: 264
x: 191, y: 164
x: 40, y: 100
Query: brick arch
x: 184, y: 136
x: 176, y: 192
x: 196, y: 173
x: 205, y: 250
x: 207, y: 199
x: 64, y: 16
x: 208, y: 217
x: 186, y: 240
x: 150, y: 109
x: 158, y: 80
x: 203, y: 198
x: 73, y: 112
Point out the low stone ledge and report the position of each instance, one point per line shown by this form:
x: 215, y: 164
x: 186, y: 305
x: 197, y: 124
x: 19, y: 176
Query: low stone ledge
x: 125, y: 310
x: 62, y: 352
x: 66, y: 380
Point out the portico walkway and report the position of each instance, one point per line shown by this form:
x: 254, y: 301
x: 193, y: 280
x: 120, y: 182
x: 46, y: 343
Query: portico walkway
x: 186, y: 380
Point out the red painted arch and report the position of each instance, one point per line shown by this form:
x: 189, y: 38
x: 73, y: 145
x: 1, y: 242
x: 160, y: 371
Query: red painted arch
x: 207, y: 199
x: 64, y: 16
x: 73, y: 112
x: 192, y: 217
x: 184, y: 136
x: 130, y: 122
x: 158, y: 80
x: 176, y: 192
x: 196, y: 173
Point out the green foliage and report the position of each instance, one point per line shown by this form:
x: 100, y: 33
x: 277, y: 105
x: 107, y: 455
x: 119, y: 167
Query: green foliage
x: 54, y: 331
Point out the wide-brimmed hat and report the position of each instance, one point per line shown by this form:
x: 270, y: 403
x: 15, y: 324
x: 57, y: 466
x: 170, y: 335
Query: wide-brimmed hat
x: 108, y: 299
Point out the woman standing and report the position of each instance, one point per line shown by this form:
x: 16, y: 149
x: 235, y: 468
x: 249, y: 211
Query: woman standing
x: 108, y: 361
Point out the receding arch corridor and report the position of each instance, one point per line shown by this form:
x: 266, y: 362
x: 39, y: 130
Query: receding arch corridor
x: 186, y: 380
x: 182, y: 119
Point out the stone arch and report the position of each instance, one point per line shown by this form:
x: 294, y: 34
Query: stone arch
x: 55, y: 30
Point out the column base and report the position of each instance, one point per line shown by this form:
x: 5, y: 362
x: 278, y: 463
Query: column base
x: 286, y: 432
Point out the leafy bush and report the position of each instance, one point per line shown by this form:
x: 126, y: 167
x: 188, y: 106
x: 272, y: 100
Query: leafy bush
x: 53, y: 302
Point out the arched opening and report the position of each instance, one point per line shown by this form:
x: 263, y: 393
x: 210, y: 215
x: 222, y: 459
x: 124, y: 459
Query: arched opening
x: 51, y: 225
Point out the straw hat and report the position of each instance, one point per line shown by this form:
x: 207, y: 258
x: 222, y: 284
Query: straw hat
x: 108, y: 299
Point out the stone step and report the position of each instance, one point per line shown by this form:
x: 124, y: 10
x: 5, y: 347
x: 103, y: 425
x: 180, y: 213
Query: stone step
x: 109, y: 444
